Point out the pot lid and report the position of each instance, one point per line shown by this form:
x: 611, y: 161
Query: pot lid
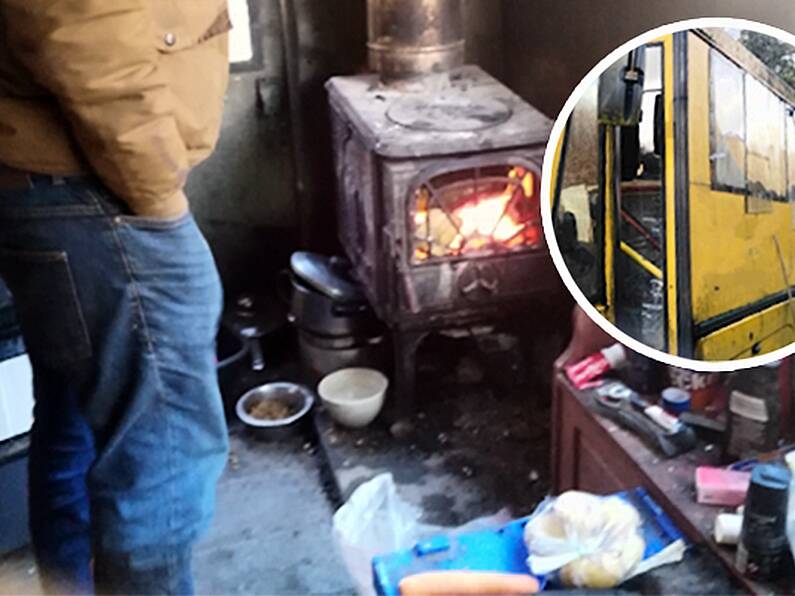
x: 327, y: 275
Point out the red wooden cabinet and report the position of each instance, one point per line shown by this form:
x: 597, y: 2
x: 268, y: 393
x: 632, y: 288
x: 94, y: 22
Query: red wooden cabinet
x: 584, y: 457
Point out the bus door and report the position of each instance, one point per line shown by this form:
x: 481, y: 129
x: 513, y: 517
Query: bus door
x: 578, y: 207
x: 639, y: 214
x: 609, y: 202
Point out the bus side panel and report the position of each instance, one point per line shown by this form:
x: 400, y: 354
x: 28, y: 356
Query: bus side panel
x: 734, y: 262
x: 764, y: 332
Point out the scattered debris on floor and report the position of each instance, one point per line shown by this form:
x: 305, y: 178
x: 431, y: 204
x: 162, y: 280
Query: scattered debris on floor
x: 465, y: 453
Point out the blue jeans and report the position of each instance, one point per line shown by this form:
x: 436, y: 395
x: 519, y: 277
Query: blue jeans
x: 119, y: 314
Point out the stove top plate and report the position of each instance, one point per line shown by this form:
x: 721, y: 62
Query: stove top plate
x: 448, y: 113
x: 463, y: 111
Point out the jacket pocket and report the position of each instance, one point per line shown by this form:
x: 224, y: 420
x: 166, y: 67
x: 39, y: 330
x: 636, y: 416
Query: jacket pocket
x: 47, y: 306
x: 182, y: 24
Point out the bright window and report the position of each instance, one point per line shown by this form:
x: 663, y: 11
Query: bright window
x: 748, y: 141
x: 727, y: 111
x: 578, y: 222
x: 240, y: 46
x: 766, y: 175
x: 580, y: 183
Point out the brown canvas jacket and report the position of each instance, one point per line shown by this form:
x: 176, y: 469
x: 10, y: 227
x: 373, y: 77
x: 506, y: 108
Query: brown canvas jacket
x: 129, y: 89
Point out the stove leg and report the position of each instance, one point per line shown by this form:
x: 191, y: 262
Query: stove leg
x: 404, y: 398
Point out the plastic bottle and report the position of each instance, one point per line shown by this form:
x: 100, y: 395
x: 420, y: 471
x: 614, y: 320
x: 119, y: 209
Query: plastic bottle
x: 652, y: 315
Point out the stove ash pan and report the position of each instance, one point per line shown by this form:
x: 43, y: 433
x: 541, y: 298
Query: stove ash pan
x: 446, y: 226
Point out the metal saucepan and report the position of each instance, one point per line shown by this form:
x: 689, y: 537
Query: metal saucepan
x: 319, y: 314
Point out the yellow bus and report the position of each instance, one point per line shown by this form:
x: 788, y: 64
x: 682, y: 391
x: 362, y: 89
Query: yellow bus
x: 673, y: 193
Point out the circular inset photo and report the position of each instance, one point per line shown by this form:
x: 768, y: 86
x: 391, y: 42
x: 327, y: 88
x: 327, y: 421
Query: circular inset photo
x: 670, y: 194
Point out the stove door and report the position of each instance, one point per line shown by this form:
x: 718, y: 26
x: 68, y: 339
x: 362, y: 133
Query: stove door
x: 472, y: 235
x: 474, y: 210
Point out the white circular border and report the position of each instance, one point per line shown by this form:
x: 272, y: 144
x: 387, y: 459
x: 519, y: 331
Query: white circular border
x: 546, y: 203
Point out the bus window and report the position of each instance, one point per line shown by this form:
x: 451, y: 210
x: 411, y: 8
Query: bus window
x: 639, y: 263
x: 727, y: 114
x: 764, y: 146
x: 641, y: 200
x: 578, y: 222
x: 747, y: 138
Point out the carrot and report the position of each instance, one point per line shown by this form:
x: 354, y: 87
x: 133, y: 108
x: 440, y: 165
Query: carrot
x: 440, y: 583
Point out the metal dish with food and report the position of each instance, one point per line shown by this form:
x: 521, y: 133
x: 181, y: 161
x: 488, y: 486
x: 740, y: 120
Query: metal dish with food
x: 275, y: 409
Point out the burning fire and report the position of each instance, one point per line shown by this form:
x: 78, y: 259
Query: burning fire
x: 505, y: 218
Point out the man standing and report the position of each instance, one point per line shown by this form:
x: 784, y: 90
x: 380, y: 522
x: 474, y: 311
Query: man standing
x: 104, y: 107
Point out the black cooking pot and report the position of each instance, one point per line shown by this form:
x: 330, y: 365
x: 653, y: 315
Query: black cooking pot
x: 325, y: 301
x: 321, y: 356
x: 319, y: 314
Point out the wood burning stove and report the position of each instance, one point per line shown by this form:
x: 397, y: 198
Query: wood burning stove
x: 438, y: 190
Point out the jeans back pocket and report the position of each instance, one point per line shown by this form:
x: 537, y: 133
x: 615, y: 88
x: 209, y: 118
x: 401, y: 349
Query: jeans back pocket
x: 47, y: 306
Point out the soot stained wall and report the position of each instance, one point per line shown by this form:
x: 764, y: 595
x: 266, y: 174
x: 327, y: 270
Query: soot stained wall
x: 244, y: 195
x: 551, y: 44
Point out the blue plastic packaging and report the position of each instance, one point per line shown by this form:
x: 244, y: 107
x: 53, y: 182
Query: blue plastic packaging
x: 502, y: 550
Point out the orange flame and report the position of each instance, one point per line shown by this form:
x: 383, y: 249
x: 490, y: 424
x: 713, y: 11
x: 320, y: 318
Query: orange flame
x: 486, y: 219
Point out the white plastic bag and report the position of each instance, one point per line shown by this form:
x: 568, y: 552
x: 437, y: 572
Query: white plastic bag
x: 591, y: 541
x: 376, y: 520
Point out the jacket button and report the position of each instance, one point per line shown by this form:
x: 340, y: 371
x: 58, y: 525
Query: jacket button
x: 170, y: 39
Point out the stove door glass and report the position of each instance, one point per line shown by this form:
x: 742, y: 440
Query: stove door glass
x: 476, y: 211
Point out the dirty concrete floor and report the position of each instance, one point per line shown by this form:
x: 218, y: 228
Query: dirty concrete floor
x: 457, y: 459
x: 478, y: 442
x: 271, y: 534
x: 272, y: 530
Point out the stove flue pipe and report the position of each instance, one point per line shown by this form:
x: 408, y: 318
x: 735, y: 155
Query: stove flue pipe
x: 408, y: 38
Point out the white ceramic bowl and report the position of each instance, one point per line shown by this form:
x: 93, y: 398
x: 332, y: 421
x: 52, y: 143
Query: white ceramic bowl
x: 353, y: 396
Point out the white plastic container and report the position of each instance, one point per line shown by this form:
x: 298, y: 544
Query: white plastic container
x: 16, y: 397
x: 353, y: 396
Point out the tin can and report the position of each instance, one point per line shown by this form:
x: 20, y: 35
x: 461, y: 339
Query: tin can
x: 675, y: 400
x: 705, y: 389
